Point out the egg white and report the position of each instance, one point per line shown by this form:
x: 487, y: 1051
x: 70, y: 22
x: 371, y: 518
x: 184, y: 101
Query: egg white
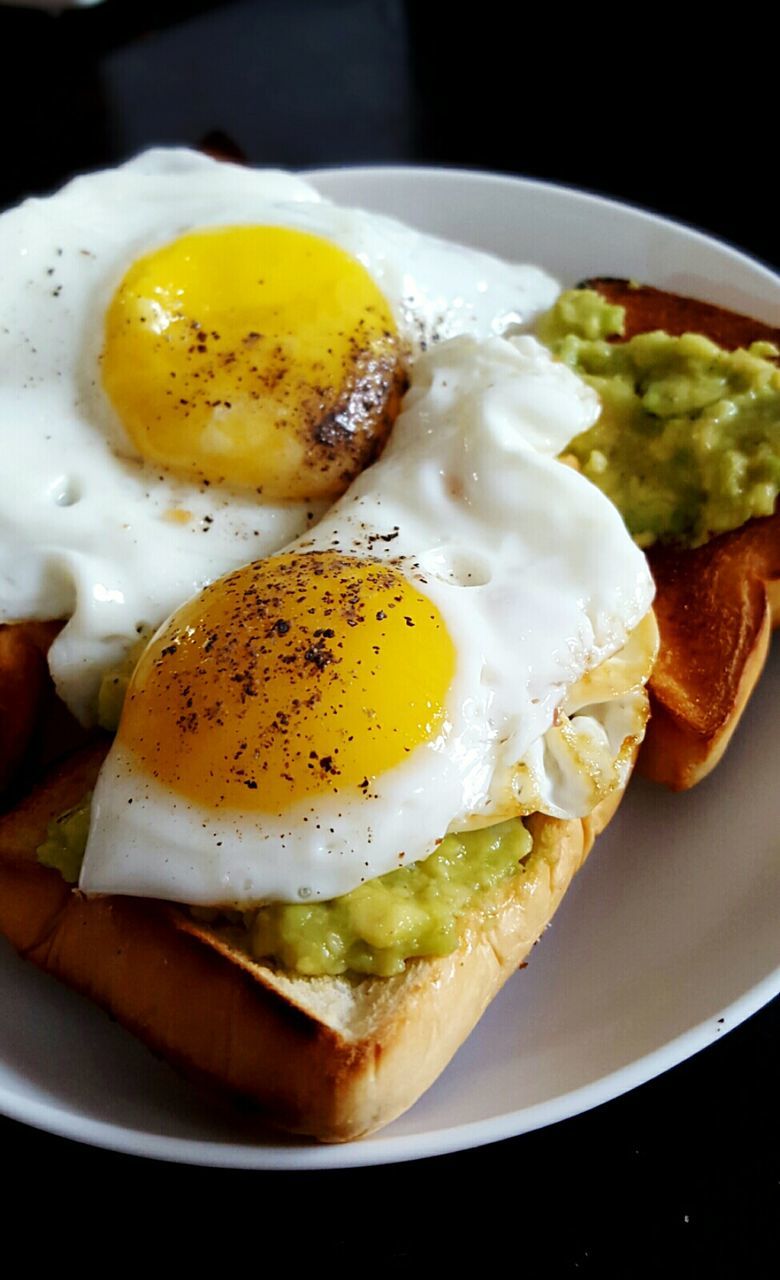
x: 86, y: 530
x: 538, y: 583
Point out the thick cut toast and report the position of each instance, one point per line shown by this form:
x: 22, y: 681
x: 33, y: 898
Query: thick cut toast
x: 648, y: 308
x: 331, y: 1057
x: 23, y: 675
x: 36, y: 728
x: 715, y: 604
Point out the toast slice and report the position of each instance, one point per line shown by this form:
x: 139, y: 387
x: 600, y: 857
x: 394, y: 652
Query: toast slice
x: 36, y: 728
x: 648, y: 308
x: 716, y: 604
x: 23, y: 689
x: 334, y: 1058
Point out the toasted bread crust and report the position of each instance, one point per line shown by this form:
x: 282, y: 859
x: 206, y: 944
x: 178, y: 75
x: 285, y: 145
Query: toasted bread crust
x: 648, y: 308
x: 715, y: 604
x: 334, y: 1059
x: 36, y: 728
x: 23, y: 685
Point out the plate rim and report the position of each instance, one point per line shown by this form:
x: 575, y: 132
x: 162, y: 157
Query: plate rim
x: 313, y: 174
x: 385, y: 1148
x: 362, y: 1153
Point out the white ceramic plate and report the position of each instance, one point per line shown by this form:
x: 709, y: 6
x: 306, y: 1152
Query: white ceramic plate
x: 667, y: 938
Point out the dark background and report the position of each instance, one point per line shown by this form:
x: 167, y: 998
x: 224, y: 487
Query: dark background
x: 630, y: 103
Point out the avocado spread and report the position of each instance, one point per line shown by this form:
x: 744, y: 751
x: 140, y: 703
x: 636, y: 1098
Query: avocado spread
x: 113, y: 686
x: 688, y: 441
x: 66, y: 840
x: 410, y: 912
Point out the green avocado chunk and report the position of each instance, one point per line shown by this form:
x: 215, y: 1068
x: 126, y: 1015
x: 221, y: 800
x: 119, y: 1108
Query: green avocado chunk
x: 385, y: 922
x: 66, y: 840
x: 113, y: 686
x: 376, y: 928
x: 687, y: 444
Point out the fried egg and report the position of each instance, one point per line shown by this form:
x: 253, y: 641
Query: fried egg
x: 454, y: 643
x: 195, y: 361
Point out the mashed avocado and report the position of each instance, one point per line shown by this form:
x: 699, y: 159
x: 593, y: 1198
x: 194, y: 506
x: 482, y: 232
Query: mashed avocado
x: 66, y: 840
x: 410, y: 912
x: 113, y: 686
x: 374, y: 929
x: 688, y: 441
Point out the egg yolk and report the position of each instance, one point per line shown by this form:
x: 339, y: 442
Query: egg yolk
x: 261, y: 357
x: 296, y: 676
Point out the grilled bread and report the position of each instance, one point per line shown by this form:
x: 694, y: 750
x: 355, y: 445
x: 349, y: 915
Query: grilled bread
x: 334, y: 1058
x: 716, y: 604
x: 36, y: 728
